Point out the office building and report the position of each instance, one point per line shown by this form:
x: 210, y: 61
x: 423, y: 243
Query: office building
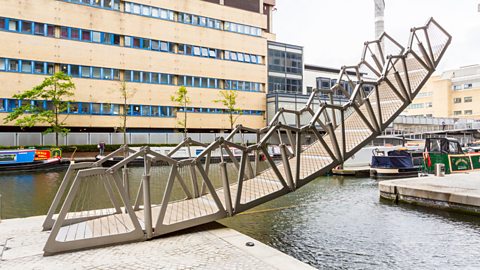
x: 454, y: 93
x: 154, y: 46
x: 285, y: 68
x: 313, y: 77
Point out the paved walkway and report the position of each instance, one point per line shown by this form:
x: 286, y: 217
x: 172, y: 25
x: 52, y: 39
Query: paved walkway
x: 459, y: 191
x: 215, y: 247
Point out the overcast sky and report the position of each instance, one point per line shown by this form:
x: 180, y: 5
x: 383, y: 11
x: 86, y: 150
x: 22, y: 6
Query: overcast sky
x: 332, y: 32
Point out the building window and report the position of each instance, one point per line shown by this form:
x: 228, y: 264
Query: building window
x: 96, y: 108
x: 468, y: 112
x: 50, y: 68
x: 136, y: 76
x: 196, y: 51
x: 96, y: 73
x: 75, y: 34
x: 64, y: 32
x: 39, y: 29
x: 429, y: 105
x: 116, y: 109
x: 107, y: 74
x: 164, y: 46
x: 50, y: 31
x: 107, y: 108
x: 467, y: 99
x: 13, y: 25
x: 2, y: 63
x: 85, y: 72
x: 323, y: 83
x: 73, y: 107
x: 457, y: 112
x: 96, y: 37
x: 27, y: 27
x: 12, y: 65
x: 74, y: 71
x: 146, y: 77
x: 128, y: 41
x: 155, y: 78
x: 424, y: 94
x: 26, y: 66
x: 205, y: 52
x: 457, y: 87
x: 135, y: 109
x: 467, y: 86
x: 457, y: 100
x: 416, y: 106
x: 165, y: 79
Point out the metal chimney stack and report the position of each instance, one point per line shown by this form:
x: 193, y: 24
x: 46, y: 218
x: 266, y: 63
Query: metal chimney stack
x: 379, y: 21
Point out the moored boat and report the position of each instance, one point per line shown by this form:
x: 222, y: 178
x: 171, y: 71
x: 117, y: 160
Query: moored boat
x: 29, y: 160
x: 448, y: 151
x: 393, y: 164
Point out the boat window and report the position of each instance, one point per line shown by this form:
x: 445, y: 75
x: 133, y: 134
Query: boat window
x: 454, y: 148
x: 435, y: 146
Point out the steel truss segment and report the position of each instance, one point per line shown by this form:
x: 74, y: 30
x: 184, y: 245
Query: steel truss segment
x: 67, y: 180
x: 54, y: 246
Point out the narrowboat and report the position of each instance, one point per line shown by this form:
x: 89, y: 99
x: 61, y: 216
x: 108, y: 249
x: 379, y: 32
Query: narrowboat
x: 448, y: 151
x: 397, y: 163
x: 29, y: 160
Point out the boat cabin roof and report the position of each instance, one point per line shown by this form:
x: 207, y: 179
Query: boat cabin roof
x: 443, y: 145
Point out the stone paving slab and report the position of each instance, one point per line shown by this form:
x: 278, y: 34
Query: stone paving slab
x: 457, y: 191
x: 210, y: 247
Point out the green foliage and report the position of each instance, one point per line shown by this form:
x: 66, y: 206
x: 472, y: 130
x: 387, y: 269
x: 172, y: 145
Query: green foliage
x: 229, y: 101
x: 182, y: 99
x: 57, y: 90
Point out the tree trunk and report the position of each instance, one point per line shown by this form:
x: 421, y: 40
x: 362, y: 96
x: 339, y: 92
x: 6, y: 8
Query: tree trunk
x: 56, y: 139
x: 124, y: 125
x: 185, y: 118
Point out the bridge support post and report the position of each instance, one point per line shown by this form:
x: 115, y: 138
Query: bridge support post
x: 286, y: 165
x: 147, y: 205
x: 298, y: 151
x: 126, y: 183
x: 226, y: 187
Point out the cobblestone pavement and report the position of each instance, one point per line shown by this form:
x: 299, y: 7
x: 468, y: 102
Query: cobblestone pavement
x: 21, y: 244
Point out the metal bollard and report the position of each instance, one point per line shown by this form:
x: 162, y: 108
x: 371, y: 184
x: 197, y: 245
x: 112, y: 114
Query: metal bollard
x: 440, y: 169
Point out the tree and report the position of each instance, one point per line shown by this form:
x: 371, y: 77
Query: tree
x: 229, y: 100
x: 182, y: 99
x: 57, y: 91
x: 125, y: 93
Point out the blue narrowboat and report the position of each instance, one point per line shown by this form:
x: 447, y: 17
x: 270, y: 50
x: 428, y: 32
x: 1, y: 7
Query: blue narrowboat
x: 26, y: 160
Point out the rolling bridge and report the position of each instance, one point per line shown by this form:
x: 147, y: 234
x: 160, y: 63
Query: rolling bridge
x: 112, y: 205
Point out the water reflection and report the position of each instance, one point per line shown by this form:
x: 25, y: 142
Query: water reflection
x: 28, y: 194
x: 341, y: 223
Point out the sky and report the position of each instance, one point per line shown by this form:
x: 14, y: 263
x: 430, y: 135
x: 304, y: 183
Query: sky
x: 332, y: 32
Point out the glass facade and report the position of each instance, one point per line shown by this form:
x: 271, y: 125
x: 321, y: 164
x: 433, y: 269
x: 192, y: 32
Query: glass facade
x: 285, y: 68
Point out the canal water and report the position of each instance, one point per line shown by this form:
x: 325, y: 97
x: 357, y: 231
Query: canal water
x: 333, y: 223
